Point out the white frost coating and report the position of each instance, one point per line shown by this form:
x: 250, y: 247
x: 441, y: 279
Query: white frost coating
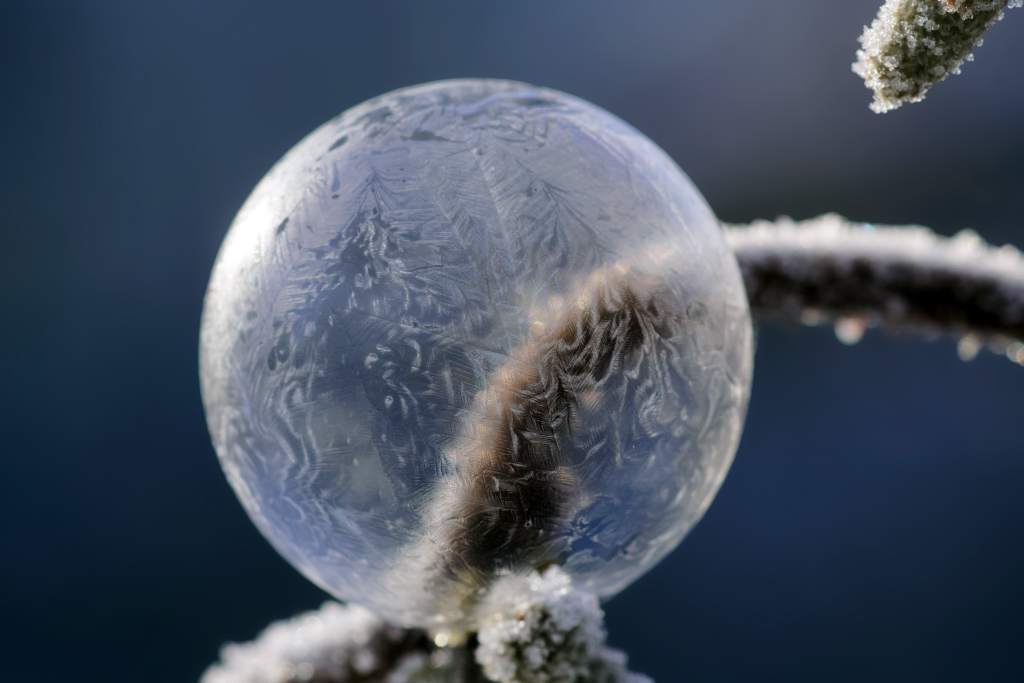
x: 537, y: 629
x: 841, y: 238
x: 332, y: 642
x: 863, y: 275
x: 542, y: 630
x: 913, y: 44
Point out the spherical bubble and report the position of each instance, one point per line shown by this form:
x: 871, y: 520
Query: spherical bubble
x: 469, y: 329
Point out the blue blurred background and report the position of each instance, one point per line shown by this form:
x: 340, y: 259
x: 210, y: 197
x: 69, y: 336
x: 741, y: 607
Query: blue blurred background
x: 872, y: 525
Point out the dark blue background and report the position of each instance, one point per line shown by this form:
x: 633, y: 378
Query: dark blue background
x: 872, y: 525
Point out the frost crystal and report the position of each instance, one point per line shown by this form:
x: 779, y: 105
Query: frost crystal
x: 542, y: 630
x: 537, y: 629
x: 335, y: 643
x: 913, y: 44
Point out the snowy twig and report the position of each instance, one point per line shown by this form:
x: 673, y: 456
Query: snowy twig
x: 539, y: 630
x: 542, y: 630
x: 913, y: 44
x: 334, y: 643
x: 906, y: 279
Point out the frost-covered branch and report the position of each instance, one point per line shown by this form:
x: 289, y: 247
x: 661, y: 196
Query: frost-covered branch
x: 538, y: 629
x: 906, y: 279
x: 334, y: 643
x: 541, y: 630
x: 913, y: 44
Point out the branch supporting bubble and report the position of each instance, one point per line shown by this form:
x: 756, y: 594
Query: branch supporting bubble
x: 540, y: 630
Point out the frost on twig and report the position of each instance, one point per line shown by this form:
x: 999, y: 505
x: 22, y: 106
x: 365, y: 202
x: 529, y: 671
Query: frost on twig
x: 542, y: 630
x: 535, y: 629
x: 906, y: 279
x: 913, y: 44
x: 334, y: 643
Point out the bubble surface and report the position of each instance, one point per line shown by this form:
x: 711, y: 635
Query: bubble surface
x: 470, y: 329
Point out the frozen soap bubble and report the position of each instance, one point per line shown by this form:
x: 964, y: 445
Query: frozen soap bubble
x: 469, y: 329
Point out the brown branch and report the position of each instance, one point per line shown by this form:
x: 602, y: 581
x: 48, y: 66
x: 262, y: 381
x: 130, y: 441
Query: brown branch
x: 905, y: 279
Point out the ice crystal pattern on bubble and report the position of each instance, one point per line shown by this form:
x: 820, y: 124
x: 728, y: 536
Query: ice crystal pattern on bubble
x: 472, y: 329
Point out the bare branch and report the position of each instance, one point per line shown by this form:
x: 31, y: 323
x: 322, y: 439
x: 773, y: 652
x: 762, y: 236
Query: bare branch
x: 904, y: 278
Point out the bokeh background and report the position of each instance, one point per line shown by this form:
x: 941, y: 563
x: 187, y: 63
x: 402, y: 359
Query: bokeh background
x: 872, y: 526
